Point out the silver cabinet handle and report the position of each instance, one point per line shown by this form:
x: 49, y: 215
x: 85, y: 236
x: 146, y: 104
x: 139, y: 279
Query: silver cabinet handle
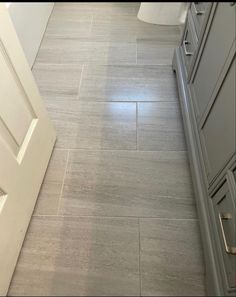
x: 228, y: 249
x: 187, y: 53
x: 197, y: 12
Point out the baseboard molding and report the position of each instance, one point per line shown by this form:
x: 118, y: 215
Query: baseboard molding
x: 214, y: 284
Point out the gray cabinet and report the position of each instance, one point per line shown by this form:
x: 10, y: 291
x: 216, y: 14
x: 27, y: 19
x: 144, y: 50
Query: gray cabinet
x: 206, y: 81
x: 219, y: 41
x: 225, y: 219
x: 218, y: 131
x: 200, y: 12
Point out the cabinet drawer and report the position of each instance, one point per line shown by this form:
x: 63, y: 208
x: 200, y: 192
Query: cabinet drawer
x: 225, y: 219
x: 189, y: 44
x: 218, y: 132
x: 213, y: 57
x: 200, y: 12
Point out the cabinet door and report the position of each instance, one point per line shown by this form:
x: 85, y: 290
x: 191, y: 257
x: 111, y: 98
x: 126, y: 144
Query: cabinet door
x: 218, y: 134
x: 189, y: 44
x: 200, y: 12
x: 216, y: 49
x: 225, y: 219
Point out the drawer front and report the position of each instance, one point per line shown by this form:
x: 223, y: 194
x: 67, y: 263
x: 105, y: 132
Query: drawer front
x: 200, y: 13
x: 189, y: 44
x: 225, y: 219
x: 218, y: 133
x: 213, y: 57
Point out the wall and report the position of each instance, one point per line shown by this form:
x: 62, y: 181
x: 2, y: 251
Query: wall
x: 30, y: 21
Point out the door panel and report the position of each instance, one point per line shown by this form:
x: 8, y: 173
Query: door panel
x: 26, y: 142
x: 13, y: 100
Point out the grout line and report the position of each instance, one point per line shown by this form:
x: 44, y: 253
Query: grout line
x: 128, y: 101
x: 91, y: 25
x: 63, y: 181
x: 104, y: 64
x: 115, y: 217
x: 137, y: 126
x: 80, y: 82
x: 116, y: 150
x: 139, y: 260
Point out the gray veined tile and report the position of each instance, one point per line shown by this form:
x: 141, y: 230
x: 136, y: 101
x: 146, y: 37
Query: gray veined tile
x: 113, y: 28
x: 48, y: 199
x: 158, y: 33
x: 56, y: 80
x: 64, y: 256
x: 94, y: 125
x: 67, y: 21
x: 171, y: 258
x: 69, y: 28
x: 128, y: 83
x: 129, y: 28
x: 160, y: 126
x: 128, y: 183
x: 71, y: 50
x: 58, y: 50
x: 102, y: 8
x: 71, y: 12
x: 155, y: 51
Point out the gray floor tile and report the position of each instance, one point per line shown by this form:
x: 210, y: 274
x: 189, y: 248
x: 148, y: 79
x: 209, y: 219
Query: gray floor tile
x: 114, y: 28
x: 128, y: 83
x: 69, y: 27
x: 156, y: 51
x: 160, y: 126
x: 158, y: 33
x: 171, y: 258
x: 128, y: 183
x: 79, y: 257
x: 130, y: 28
x: 93, y: 125
x: 66, y: 50
x: 48, y: 199
x: 55, y: 80
x: 103, y: 8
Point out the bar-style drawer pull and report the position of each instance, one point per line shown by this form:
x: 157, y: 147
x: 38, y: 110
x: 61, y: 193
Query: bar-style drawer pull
x: 197, y: 12
x: 225, y: 217
x: 187, y: 53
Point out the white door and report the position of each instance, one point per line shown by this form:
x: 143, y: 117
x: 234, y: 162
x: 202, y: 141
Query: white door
x: 26, y: 142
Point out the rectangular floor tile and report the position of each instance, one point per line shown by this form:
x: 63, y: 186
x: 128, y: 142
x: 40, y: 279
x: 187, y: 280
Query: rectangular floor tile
x: 130, y: 28
x: 160, y: 126
x: 128, y: 83
x: 69, y: 27
x: 114, y: 28
x: 78, y: 257
x: 101, y: 8
x: 158, y: 33
x: 55, y: 80
x: 171, y: 258
x: 155, y: 51
x: 48, y: 199
x: 66, y: 50
x: 93, y: 125
x: 128, y: 183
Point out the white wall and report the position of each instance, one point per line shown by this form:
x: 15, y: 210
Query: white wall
x: 30, y: 21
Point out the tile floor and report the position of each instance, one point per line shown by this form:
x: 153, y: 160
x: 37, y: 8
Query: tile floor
x: 116, y: 214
